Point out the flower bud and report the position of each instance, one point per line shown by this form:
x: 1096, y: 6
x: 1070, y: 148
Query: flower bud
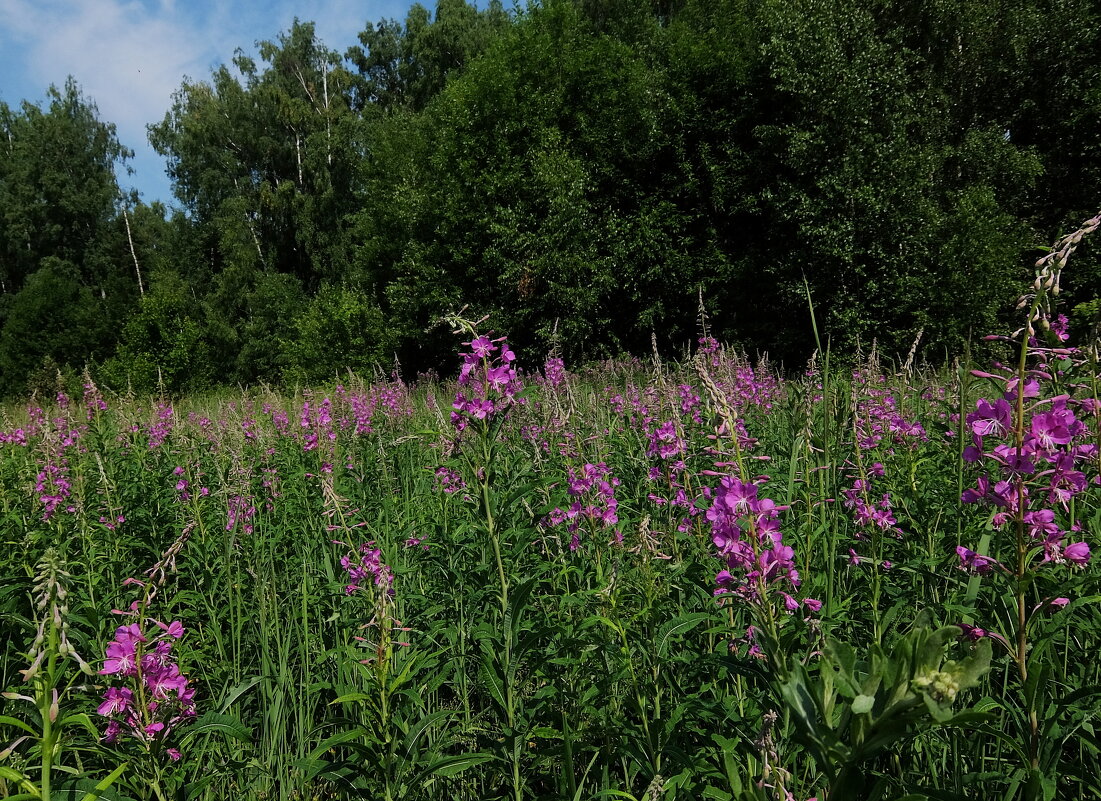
x: 32, y: 671
x: 8, y: 751
x: 83, y: 666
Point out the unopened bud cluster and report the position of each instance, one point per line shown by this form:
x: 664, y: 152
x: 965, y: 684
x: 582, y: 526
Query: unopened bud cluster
x: 51, y: 605
x: 941, y: 685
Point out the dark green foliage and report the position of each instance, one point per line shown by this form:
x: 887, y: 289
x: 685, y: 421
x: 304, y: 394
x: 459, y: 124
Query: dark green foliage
x: 53, y: 321
x: 407, y: 65
x: 164, y: 344
x: 582, y: 171
x: 66, y: 275
x: 341, y: 329
x: 57, y: 185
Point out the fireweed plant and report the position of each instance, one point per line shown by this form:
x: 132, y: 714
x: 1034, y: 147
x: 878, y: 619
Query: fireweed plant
x: 593, y: 506
x: 759, y: 568
x: 877, y: 431
x: 489, y: 385
x: 1034, y: 446
x: 759, y: 572
x: 52, y: 684
x: 384, y: 730
x: 147, y: 698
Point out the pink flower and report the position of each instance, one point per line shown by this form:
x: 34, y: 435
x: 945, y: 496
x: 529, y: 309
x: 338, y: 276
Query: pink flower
x: 973, y: 562
x: 120, y: 659
x: 1078, y: 553
x: 970, y: 632
x: 115, y: 701
x: 175, y: 629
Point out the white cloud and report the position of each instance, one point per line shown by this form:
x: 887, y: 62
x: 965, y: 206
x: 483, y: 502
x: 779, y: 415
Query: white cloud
x: 130, y: 56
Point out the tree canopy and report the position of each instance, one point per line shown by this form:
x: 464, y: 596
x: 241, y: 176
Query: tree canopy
x: 581, y: 170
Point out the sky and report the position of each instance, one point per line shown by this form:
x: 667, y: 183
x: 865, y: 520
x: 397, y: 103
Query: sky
x: 129, y: 56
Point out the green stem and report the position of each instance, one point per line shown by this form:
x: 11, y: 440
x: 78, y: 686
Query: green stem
x: 1020, y: 574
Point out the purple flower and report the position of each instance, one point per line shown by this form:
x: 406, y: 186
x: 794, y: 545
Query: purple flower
x: 969, y: 632
x: 976, y: 563
x: 115, y: 701
x: 1078, y: 553
x: 1050, y: 429
x: 990, y: 419
x: 490, y: 382
x: 121, y: 658
x: 143, y: 661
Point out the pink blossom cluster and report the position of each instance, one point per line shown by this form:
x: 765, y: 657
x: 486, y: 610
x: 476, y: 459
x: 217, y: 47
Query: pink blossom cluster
x: 737, y: 379
x: 363, y: 408
x: 316, y: 424
x: 746, y: 387
x: 364, y: 562
x: 449, y: 480
x: 393, y: 400
x: 53, y: 488
x: 746, y: 530
x: 161, y: 427
x: 869, y: 513
x: 280, y: 420
x: 61, y: 430
x: 16, y: 437
x: 593, y: 491
x: 272, y: 482
x: 877, y: 414
x: 1029, y: 481
x: 152, y: 697
x: 634, y: 404
x: 710, y: 347
x: 691, y: 406
x: 93, y: 401
x: 488, y: 381
x: 241, y: 510
x: 554, y: 372
x: 666, y: 441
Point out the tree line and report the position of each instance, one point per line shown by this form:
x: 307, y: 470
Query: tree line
x: 583, y: 171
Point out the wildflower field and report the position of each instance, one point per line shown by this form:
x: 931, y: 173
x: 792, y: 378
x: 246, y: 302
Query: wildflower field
x: 643, y: 580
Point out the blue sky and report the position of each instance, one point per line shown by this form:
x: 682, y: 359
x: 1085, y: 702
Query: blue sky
x: 130, y: 55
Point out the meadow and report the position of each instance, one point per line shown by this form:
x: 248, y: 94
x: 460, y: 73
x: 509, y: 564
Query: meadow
x: 649, y: 580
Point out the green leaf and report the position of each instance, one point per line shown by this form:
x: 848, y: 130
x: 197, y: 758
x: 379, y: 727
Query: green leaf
x: 863, y: 704
x: 104, y: 783
x: 493, y: 679
x: 18, y: 724
x: 236, y: 692
x: 420, y: 727
x: 452, y: 765
x: 339, y: 739
x: 352, y: 697
x: 677, y: 627
x: 80, y: 719
x: 215, y: 722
